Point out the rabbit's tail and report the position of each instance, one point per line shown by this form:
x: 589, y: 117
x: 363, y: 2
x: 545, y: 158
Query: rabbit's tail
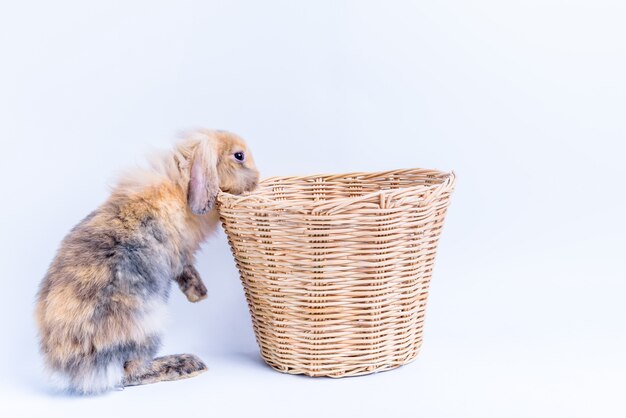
x: 97, y: 371
x: 90, y: 380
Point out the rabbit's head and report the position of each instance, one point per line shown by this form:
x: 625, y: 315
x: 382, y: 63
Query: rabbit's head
x: 217, y: 160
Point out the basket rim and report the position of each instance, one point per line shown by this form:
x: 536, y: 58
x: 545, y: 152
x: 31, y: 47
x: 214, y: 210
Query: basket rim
x: 426, y: 192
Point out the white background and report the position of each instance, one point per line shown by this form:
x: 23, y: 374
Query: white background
x: 525, y: 100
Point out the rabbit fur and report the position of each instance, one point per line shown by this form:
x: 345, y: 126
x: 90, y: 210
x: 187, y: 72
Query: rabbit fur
x: 101, y: 305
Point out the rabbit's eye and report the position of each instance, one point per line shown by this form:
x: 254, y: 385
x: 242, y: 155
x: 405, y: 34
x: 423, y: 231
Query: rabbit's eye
x: 239, y: 156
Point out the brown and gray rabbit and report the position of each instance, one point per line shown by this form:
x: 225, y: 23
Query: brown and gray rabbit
x: 100, y: 306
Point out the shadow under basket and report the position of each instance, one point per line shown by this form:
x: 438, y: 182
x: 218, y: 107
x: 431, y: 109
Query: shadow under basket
x: 336, y: 268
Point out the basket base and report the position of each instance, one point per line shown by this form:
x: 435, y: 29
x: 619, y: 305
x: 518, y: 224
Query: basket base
x: 338, y: 372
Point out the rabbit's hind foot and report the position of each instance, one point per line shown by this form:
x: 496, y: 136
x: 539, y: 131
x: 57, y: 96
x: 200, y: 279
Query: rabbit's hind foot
x: 162, y: 369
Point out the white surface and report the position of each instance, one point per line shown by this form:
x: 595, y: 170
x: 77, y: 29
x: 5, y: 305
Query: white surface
x: 524, y: 99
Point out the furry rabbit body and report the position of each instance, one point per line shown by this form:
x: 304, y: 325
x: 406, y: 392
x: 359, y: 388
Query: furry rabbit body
x: 101, y: 305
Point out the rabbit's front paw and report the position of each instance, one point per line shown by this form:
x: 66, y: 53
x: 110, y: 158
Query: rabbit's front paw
x: 191, y: 284
x: 196, y: 292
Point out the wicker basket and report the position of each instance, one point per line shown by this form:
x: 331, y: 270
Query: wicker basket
x: 336, y: 268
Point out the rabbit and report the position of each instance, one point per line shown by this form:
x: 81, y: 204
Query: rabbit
x: 101, y: 305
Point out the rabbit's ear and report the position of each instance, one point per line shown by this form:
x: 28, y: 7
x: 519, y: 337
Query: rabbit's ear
x: 203, y: 180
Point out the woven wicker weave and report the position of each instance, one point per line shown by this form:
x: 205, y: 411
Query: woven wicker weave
x: 336, y: 268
